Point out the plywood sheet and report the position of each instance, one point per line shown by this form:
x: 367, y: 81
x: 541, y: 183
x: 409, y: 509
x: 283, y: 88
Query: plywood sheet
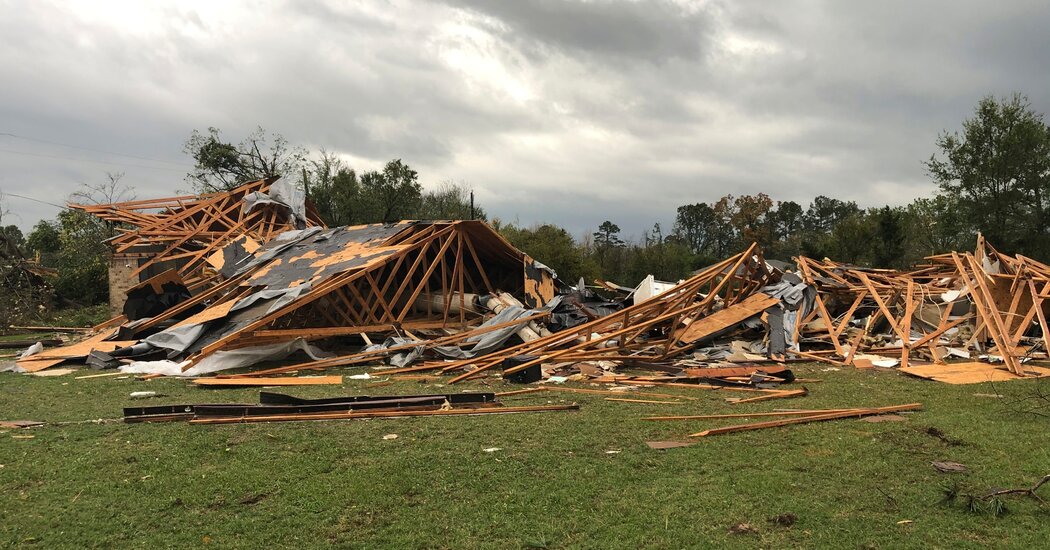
x: 79, y: 350
x: 158, y: 281
x: 719, y: 320
x: 38, y: 365
x: 972, y: 372
x: 217, y: 311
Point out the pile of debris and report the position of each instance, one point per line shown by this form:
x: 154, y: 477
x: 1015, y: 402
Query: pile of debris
x: 981, y: 305
x: 256, y: 276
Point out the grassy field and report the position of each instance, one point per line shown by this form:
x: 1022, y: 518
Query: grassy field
x: 554, y: 482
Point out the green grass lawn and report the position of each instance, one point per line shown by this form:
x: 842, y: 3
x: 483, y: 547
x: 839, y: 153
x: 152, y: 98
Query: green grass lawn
x: 553, y: 484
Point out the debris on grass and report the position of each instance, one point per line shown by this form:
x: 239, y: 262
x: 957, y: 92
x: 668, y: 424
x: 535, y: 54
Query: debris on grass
x: 990, y: 502
x: 276, y: 407
x: 884, y: 418
x: 661, y: 445
x: 808, y: 418
x: 948, y: 467
x: 20, y: 423
x: 743, y: 529
x: 937, y: 433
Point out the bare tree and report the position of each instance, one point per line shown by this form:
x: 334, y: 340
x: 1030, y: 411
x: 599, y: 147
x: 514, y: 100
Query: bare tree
x: 106, y: 192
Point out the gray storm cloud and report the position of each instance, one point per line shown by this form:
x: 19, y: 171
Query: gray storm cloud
x: 563, y: 112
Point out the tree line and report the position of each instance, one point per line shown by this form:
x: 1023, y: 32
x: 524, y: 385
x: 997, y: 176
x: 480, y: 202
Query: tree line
x: 993, y: 177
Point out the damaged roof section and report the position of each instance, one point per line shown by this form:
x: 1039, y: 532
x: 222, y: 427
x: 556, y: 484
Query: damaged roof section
x: 317, y: 283
x: 182, y: 232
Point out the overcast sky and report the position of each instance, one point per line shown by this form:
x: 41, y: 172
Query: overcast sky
x: 563, y: 112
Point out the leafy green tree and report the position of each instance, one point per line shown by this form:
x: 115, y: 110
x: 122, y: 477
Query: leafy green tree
x: 449, y: 201
x: 342, y: 197
x: 998, y: 169
x: 824, y: 213
x: 785, y: 228
x: 334, y: 190
x: 937, y: 225
x: 610, y: 250
x: 820, y: 234
x: 696, y: 226
x: 724, y: 235
x: 665, y: 258
x: 608, y: 235
x: 82, y: 264
x: 850, y: 240
x: 889, y: 229
x: 553, y: 246
x: 13, y: 237
x: 750, y: 220
x: 391, y: 195
x: 83, y: 250
x: 44, y: 238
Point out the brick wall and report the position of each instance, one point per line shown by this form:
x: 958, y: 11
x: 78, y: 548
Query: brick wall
x: 120, y: 280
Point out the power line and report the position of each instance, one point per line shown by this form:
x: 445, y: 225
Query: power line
x: 6, y: 194
x: 16, y: 136
x: 59, y: 157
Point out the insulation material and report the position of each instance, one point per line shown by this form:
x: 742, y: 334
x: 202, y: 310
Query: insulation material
x: 226, y: 360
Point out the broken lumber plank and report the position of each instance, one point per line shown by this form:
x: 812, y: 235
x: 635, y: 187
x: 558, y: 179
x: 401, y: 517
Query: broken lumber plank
x: 718, y: 372
x: 781, y: 395
x: 382, y: 414
x: 50, y: 329
x: 800, y: 412
x: 701, y: 386
x: 622, y: 400
x: 611, y: 392
x: 519, y: 392
x: 805, y: 419
x: 103, y: 375
x: 818, y: 358
x: 275, y: 381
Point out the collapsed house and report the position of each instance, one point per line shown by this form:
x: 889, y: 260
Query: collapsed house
x: 253, y: 275
x: 320, y: 284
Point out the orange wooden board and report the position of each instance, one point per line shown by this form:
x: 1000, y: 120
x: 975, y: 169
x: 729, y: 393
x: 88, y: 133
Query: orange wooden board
x: 701, y: 328
x: 972, y: 373
x: 277, y: 381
